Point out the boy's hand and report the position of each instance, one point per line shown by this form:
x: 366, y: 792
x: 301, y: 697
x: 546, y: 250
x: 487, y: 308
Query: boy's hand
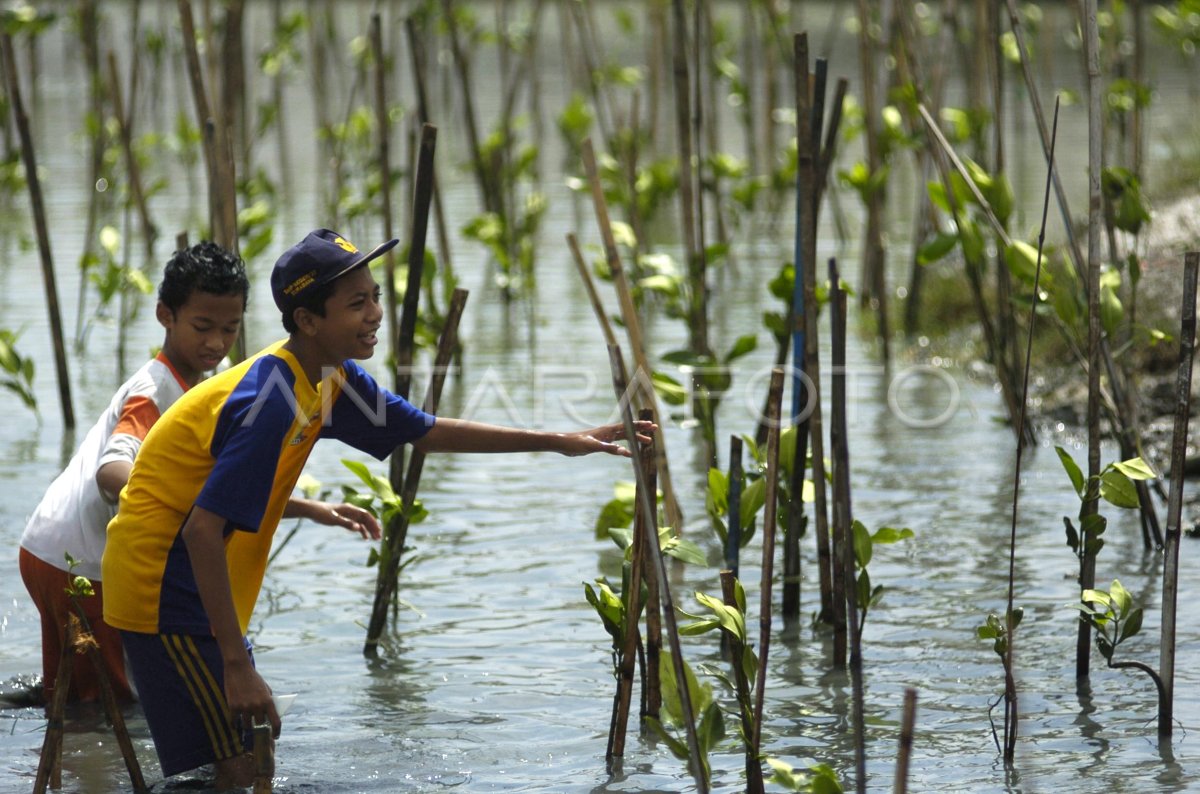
x: 604, y: 439
x: 249, y: 697
x: 348, y: 516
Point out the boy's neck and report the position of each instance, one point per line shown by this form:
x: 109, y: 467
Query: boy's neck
x: 189, y: 377
x: 312, y: 359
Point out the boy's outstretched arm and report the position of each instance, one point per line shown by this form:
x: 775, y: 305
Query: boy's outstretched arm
x: 460, y: 435
x: 246, y: 692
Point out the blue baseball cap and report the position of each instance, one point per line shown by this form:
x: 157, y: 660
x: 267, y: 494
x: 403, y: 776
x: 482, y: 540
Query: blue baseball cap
x: 322, y: 256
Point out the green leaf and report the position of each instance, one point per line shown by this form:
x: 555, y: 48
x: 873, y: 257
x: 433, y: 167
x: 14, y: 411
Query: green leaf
x: 685, y: 551
x: 1073, y: 471
x: 862, y: 544
x: 937, y: 248
x: 1111, y: 310
x: 1135, y: 469
x: 669, y: 389
x: 1132, y: 625
x: 711, y: 729
x: 1021, y: 258
x: 754, y: 496
x: 1121, y: 599
x: 1117, y: 489
x: 744, y: 344
x: 891, y: 535
x: 677, y: 748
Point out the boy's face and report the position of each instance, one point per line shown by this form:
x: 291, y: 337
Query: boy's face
x: 201, y: 332
x: 352, y: 317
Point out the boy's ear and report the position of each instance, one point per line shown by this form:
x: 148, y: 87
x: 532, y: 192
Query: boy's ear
x: 305, y: 321
x: 164, y: 315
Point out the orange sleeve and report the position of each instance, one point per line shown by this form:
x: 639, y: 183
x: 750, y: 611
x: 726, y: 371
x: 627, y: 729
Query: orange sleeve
x: 138, y: 415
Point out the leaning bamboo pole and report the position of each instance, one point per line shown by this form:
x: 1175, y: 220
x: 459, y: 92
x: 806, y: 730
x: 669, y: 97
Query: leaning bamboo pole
x: 633, y: 329
x: 28, y: 156
x: 149, y: 231
x: 1183, y: 398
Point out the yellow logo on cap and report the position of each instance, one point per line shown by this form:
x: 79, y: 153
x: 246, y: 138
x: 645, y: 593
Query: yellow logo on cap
x: 345, y: 245
x: 301, y: 283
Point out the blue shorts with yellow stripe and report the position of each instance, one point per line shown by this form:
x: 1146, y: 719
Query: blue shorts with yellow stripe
x: 181, y: 685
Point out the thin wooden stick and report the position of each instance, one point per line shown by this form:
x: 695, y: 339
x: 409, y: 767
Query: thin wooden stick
x: 1010, y: 687
x: 264, y: 759
x: 770, y: 514
x: 1183, y: 398
x: 43, y: 234
x: 907, y: 720
x: 733, y: 530
x: 695, y: 761
x: 49, y: 764
x: 386, y: 583
x: 422, y: 192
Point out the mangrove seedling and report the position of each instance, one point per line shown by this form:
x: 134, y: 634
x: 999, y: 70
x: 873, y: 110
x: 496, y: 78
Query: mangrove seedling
x: 390, y: 507
x: 864, y: 549
x: 729, y: 616
x: 997, y: 630
x: 1114, y: 618
x: 16, y: 371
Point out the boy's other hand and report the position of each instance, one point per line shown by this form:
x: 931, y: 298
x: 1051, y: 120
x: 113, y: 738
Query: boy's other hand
x: 347, y: 516
x: 605, y: 438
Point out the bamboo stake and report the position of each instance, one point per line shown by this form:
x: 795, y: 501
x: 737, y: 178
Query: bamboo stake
x: 844, y: 518
x: 423, y: 193
x: 1010, y: 686
x: 695, y: 762
x: 633, y: 329
x: 90, y: 38
x: 17, y: 107
x: 768, y: 548
x: 874, y: 277
x: 643, y: 525
x: 589, y: 285
x: 754, y: 773
x: 385, y: 585
x: 1183, y: 398
x: 416, y: 50
x: 149, y: 231
x: 907, y: 720
x: 49, y: 771
x: 383, y: 153
x: 488, y: 191
x: 801, y: 264
x: 1091, y: 505
x: 697, y: 312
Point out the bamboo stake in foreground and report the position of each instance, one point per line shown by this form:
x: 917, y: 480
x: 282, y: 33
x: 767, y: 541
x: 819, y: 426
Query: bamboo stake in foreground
x: 43, y: 234
x: 1183, y: 398
x: 389, y: 571
x: 695, y: 761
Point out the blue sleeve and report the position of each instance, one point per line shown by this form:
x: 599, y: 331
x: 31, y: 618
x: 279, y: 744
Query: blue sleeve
x: 370, y: 418
x: 246, y: 445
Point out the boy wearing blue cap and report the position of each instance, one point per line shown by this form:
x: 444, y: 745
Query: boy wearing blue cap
x: 188, y: 548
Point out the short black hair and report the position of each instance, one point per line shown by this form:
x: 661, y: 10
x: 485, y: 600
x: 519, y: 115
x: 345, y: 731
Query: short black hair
x: 313, y: 299
x: 204, y: 267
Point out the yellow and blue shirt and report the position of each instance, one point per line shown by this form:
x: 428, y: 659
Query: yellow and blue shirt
x: 234, y: 445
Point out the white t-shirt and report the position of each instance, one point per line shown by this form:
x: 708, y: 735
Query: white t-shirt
x: 74, y: 513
